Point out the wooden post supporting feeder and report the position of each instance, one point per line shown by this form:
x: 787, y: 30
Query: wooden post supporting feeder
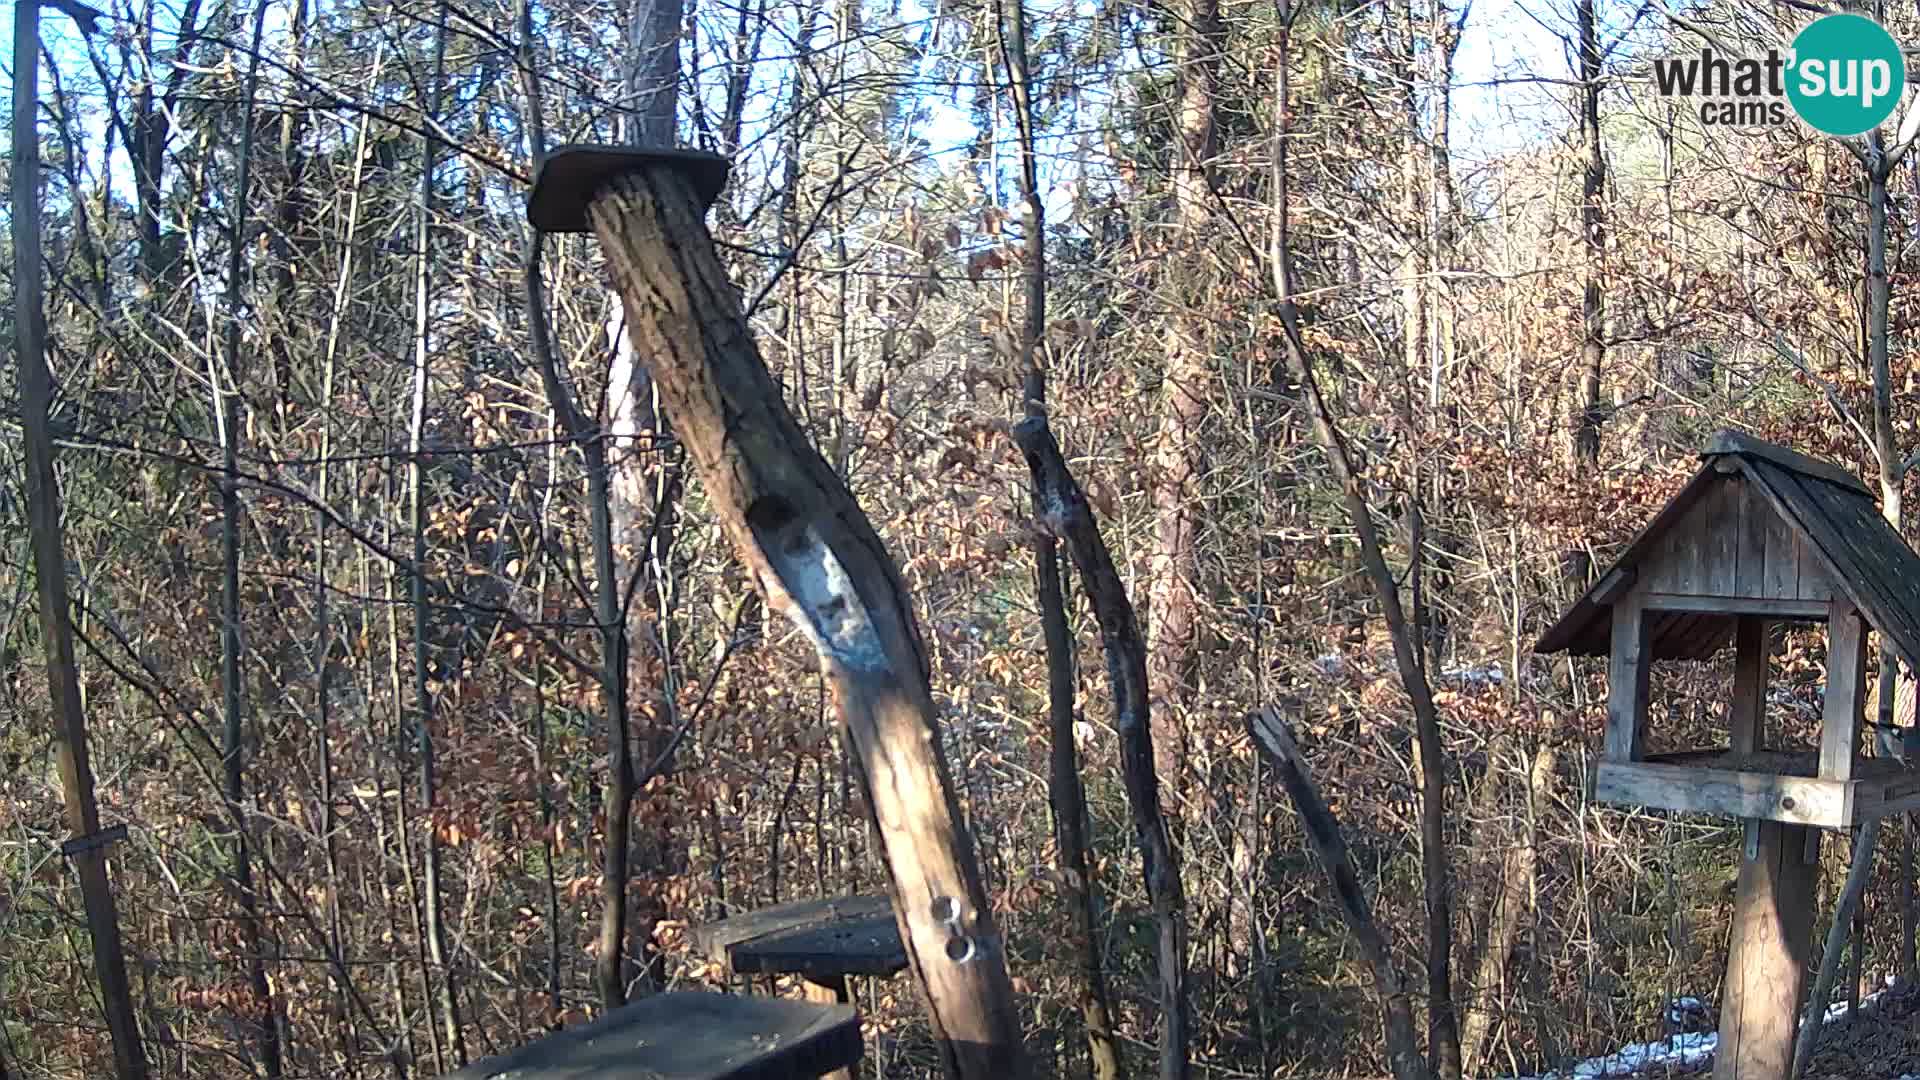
x: 803, y: 538
x: 1760, y: 535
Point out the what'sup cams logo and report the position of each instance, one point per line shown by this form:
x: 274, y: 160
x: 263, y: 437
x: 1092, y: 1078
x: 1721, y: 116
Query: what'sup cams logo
x: 1843, y: 76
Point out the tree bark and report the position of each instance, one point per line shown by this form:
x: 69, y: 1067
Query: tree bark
x: 46, y: 536
x: 803, y: 538
x: 1443, y: 1034
x: 1510, y: 904
x: 1065, y: 514
x: 1277, y: 745
x: 1065, y: 793
x: 1177, y: 454
x: 265, y: 1019
x: 1593, y: 179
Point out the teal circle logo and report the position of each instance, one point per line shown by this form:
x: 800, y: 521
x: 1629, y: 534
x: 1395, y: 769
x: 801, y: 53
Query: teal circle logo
x: 1847, y: 74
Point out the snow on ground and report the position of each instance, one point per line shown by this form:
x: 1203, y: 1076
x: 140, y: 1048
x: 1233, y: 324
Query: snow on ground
x: 1684, y: 1051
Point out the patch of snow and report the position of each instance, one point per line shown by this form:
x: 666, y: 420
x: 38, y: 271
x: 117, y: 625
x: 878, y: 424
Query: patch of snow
x: 1485, y: 675
x: 1679, y: 1051
x: 1331, y: 665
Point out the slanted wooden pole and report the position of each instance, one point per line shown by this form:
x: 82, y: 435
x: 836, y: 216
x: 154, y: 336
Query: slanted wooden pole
x: 802, y: 536
x: 45, y: 535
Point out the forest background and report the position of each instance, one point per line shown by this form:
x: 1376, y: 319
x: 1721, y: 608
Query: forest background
x: 371, y: 523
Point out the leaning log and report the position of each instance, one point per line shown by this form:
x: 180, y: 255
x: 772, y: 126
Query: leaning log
x: 1276, y: 743
x: 1064, y: 512
x: 813, y: 553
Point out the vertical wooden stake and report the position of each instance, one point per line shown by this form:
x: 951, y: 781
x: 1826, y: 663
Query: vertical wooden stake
x: 1772, y: 925
x: 1627, y: 680
x: 1846, y: 690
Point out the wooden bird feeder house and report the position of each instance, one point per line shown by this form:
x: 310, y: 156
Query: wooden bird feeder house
x: 1760, y: 535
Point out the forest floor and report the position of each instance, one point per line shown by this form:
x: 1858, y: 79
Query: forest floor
x: 1880, y: 1042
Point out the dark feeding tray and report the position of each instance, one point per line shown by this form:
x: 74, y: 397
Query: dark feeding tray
x: 569, y: 177
x: 817, y: 939
x: 689, y: 1036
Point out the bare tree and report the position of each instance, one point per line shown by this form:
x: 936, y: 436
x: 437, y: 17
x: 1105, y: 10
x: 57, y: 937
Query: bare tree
x: 47, y: 537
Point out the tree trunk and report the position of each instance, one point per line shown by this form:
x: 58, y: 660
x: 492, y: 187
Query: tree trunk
x: 1067, y: 516
x: 1510, y: 904
x: 1277, y: 745
x: 1065, y: 794
x: 1443, y: 1035
x: 448, y: 998
x: 638, y: 502
x: 1593, y: 179
x: 265, y: 1019
x: 1177, y: 458
x: 45, y: 534
x: 804, y: 539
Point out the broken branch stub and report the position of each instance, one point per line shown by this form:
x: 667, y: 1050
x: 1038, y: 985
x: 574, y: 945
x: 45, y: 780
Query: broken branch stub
x: 802, y: 536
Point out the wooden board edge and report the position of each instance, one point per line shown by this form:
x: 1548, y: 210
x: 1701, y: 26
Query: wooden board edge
x: 1827, y: 804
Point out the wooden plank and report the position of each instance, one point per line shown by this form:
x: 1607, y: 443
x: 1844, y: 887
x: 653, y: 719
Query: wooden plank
x: 1815, y: 583
x: 689, y: 1036
x: 1719, y: 552
x: 1780, y: 576
x: 1754, y: 514
x: 1627, y: 681
x: 822, y: 939
x: 1614, y: 585
x: 1778, y: 608
x: 1795, y: 800
x: 829, y: 991
x: 1746, y: 720
x: 1676, y: 566
x: 1846, y: 691
x: 1772, y: 927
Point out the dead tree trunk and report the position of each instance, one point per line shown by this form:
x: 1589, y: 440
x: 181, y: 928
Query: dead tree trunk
x: 1066, y: 515
x: 1065, y: 793
x: 804, y: 538
x: 1277, y: 745
x: 45, y: 533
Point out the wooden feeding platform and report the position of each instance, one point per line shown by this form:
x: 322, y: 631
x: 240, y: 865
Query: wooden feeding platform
x: 689, y: 1036
x: 822, y: 941
x: 1773, y: 785
x: 1760, y: 535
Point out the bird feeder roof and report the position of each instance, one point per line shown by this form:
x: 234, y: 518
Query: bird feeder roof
x: 1718, y: 527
